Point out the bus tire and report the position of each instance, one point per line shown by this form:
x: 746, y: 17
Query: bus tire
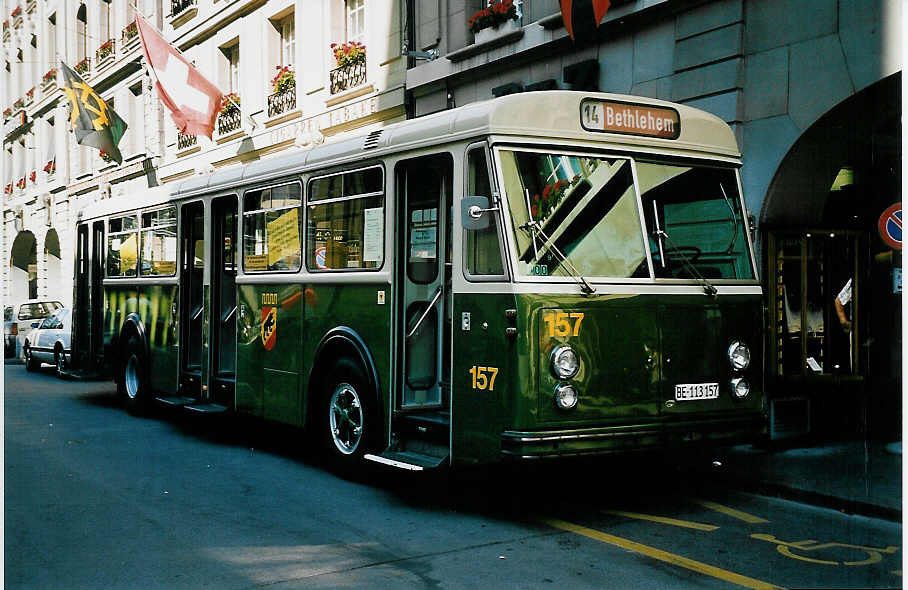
x: 132, y: 383
x: 346, y: 417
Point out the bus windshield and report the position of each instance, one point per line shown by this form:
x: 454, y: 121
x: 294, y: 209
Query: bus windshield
x: 583, y: 207
x: 578, y: 216
x: 694, y: 222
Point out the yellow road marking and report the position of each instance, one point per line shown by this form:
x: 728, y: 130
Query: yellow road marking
x: 663, y: 520
x: 731, y: 512
x: 665, y: 556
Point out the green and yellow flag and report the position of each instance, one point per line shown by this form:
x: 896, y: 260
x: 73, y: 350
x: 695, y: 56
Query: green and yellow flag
x: 94, y: 123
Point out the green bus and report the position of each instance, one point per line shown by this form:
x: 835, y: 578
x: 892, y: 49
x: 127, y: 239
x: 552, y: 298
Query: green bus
x: 541, y: 275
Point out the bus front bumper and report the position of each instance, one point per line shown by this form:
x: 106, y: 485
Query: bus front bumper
x: 621, y: 439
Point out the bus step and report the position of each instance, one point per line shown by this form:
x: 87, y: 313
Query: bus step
x: 433, y: 427
x: 204, y: 408
x: 407, y: 460
x: 176, y: 401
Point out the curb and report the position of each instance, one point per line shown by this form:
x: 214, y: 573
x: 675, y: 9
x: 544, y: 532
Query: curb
x: 846, y: 505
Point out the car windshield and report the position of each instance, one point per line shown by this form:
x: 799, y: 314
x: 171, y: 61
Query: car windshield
x: 580, y: 206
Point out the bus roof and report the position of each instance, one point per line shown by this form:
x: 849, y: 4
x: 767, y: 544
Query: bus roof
x: 547, y: 115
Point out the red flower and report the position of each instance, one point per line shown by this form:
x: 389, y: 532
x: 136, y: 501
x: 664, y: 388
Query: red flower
x: 33, y: 176
x: 534, y: 210
x: 536, y: 198
x: 547, y: 192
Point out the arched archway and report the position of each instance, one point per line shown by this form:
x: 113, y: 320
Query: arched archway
x: 833, y: 285
x: 23, y: 263
x: 53, y: 265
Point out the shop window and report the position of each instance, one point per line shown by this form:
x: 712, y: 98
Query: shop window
x: 814, y: 290
x: 346, y: 217
x: 271, y: 229
x: 482, y: 248
x: 159, y: 242
x: 122, y: 246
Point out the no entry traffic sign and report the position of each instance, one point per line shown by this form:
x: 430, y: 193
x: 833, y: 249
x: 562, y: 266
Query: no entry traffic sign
x: 890, y: 226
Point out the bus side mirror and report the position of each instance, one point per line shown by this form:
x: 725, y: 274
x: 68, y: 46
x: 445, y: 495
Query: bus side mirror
x: 473, y: 211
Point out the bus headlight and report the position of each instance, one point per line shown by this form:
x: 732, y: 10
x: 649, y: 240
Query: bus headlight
x: 565, y: 397
x: 739, y: 355
x: 565, y: 363
x: 740, y: 387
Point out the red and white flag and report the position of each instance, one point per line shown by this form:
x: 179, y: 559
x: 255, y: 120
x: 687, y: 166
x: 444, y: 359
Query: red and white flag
x: 192, y: 99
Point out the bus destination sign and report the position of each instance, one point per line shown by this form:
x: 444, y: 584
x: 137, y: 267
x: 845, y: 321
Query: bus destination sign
x: 630, y: 119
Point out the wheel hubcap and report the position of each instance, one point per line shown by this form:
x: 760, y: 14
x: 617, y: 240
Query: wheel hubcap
x: 346, y: 418
x: 131, y: 377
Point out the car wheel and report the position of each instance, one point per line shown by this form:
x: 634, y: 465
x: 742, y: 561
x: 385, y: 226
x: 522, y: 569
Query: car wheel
x: 31, y: 363
x: 132, y: 379
x: 348, y: 424
x: 59, y: 361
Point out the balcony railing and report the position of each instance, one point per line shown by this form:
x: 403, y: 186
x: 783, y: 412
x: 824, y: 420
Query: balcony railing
x: 178, y: 6
x: 347, y: 77
x: 185, y: 141
x: 281, y: 102
x: 228, y: 122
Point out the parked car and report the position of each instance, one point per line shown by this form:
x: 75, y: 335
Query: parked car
x: 18, y: 320
x: 49, y: 342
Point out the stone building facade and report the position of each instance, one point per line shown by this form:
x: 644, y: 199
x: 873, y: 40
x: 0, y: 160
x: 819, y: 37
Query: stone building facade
x: 238, y: 44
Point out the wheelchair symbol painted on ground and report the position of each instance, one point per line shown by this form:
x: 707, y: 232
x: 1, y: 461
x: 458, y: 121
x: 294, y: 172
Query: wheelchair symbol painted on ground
x: 793, y: 549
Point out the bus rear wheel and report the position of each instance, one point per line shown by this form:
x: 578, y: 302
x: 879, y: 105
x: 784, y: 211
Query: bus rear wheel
x: 347, y: 420
x: 132, y: 384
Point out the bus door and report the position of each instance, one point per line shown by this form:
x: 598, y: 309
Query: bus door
x: 191, y: 300
x: 81, y: 339
x: 424, y: 273
x: 223, y: 300
x: 96, y: 295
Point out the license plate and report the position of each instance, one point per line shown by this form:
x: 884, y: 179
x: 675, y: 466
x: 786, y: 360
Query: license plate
x: 690, y: 391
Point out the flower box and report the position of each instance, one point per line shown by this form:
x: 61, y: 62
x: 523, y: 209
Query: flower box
x: 498, y: 12
x: 490, y: 33
x: 105, y: 50
x: 349, y: 54
x: 83, y: 66
x: 50, y: 167
x: 49, y: 76
x: 20, y: 103
x: 17, y: 11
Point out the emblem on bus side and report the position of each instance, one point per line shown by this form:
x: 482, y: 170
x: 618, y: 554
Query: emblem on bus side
x: 269, y: 327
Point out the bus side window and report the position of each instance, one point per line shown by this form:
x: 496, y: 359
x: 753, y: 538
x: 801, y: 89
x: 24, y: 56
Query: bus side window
x: 482, y: 250
x: 123, y: 246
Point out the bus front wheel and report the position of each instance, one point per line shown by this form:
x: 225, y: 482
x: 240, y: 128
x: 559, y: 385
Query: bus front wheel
x: 132, y: 382
x: 346, y: 415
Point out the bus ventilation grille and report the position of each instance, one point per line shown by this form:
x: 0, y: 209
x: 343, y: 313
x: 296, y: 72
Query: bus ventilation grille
x: 372, y: 140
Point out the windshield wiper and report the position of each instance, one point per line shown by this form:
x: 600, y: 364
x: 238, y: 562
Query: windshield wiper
x: 533, y: 228
x: 707, y: 286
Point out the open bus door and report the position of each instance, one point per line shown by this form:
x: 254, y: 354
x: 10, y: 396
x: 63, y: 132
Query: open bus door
x: 191, y: 299
x: 222, y: 373
x: 422, y: 411
x: 88, y: 297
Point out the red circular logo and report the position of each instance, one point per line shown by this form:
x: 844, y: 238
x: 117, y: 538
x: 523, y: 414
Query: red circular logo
x: 890, y: 226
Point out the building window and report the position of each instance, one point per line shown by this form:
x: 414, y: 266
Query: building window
x: 233, y: 65
x: 288, y: 41
x: 356, y: 20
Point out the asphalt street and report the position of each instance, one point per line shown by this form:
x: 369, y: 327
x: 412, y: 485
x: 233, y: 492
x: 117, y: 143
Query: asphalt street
x: 96, y: 498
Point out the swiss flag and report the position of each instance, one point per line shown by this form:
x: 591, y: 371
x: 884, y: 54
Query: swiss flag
x: 192, y: 99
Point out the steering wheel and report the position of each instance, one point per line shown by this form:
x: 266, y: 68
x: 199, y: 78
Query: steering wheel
x: 691, y: 253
